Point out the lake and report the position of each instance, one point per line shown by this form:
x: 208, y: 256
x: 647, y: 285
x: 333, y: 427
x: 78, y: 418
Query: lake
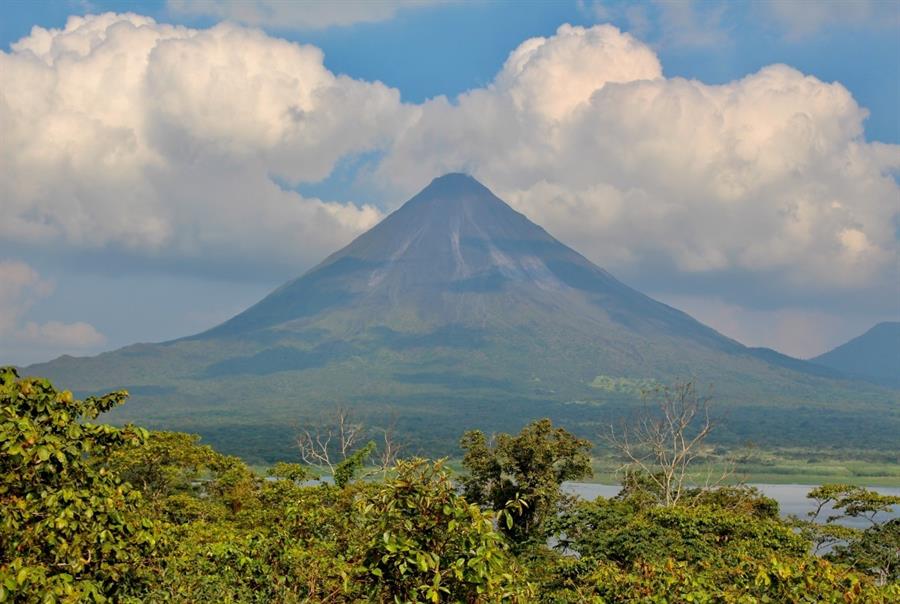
x: 791, y: 498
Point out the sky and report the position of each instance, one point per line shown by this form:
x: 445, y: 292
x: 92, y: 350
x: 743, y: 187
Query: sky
x: 165, y: 164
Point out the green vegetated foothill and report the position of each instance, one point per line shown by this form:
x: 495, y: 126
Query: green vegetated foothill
x: 94, y: 513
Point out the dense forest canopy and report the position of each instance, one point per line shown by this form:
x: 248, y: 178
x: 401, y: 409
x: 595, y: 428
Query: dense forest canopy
x: 95, y: 513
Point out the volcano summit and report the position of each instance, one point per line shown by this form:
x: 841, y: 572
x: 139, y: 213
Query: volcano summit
x: 456, y: 312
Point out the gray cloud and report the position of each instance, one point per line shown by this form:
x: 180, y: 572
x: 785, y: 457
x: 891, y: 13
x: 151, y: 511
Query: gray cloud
x: 22, y: 287
x: 795, y: 330
x: 685, y: 24
x: 681, y: 24
x: 799, y: 18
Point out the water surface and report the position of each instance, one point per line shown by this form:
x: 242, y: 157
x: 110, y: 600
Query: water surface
x: 791, y: 499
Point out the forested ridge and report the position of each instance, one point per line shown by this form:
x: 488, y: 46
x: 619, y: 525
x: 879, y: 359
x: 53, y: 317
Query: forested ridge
x: 96, y: 513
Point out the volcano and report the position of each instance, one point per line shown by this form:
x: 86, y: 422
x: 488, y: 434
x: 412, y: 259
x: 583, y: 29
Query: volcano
x: 456, y: 264
x: 874, y: 355
x: 458, y: 312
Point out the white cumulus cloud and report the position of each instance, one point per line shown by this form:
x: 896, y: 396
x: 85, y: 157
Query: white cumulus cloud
x: 121, y: 133
x: 769, y: 175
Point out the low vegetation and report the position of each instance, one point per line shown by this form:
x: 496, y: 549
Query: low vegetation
x: 93, y: 513
x: 751, y: 464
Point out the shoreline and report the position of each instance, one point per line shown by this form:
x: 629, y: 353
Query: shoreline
x: 806, y: 480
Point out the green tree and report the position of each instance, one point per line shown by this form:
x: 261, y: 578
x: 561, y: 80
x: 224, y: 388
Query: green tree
x: 286, y: 542
x: 427, y: 544
x: 523, y: 474
x: 850, y: 501
x: 350, y: 466
x: 70, y: 528
x: 720, y: 545
x: 292, y: 472
x: 704, y: 534
x: 876, y: 549
x: 804, y: 580
x: 181, y: 478
x: 163, y: 465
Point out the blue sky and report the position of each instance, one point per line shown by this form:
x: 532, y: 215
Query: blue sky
x: 88, y: 292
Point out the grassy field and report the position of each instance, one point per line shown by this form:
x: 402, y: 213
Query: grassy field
x: 782, y: 466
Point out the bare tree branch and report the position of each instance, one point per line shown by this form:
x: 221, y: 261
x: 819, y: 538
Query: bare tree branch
x: 338, y: 436
x: 390, y: 449
x: 326, y: 445
x: 665, y: 440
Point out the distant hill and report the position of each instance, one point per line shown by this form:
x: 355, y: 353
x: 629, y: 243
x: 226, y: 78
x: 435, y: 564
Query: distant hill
x: 458, y: 312
x: 874, y: 355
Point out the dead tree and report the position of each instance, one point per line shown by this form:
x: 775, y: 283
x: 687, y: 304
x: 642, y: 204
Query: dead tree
x: 390, y: 448
x: 331, y: 442
x: 664, y: 440
x: 336, y: 439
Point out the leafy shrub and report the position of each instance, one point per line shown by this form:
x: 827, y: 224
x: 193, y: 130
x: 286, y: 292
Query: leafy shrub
x: 70, y: 528
x: 426, y: 543
x: 522, y: 475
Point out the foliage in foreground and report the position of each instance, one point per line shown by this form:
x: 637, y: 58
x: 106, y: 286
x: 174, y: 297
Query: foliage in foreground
x: 95, y: 513
x: 523, y: 474
x: 70, y: 528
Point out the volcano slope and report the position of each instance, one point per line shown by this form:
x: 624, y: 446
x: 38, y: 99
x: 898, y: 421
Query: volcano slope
x: 874, y: 355
x: 457, y: 312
